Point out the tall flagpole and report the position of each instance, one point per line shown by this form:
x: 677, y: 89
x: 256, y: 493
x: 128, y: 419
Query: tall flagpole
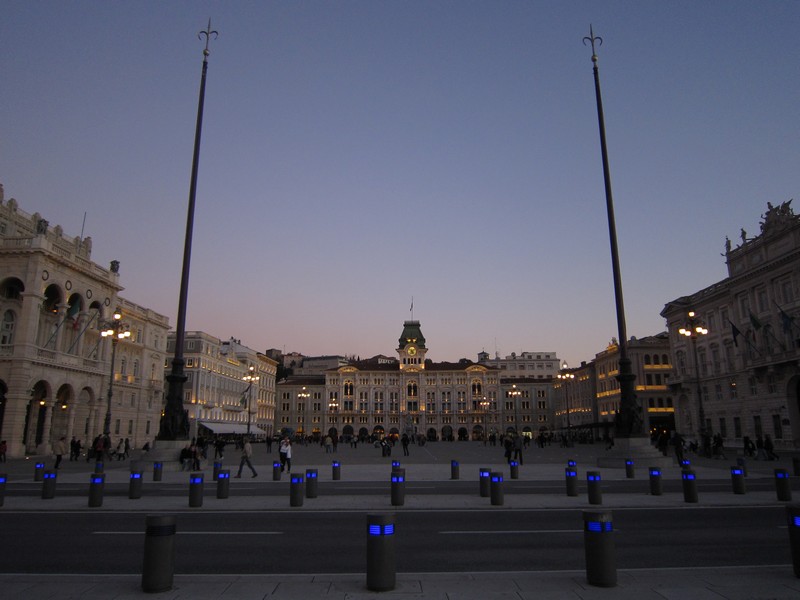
x: 175, y: 421
x: 628, y: 421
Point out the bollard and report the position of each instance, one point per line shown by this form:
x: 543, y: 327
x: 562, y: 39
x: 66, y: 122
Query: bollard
x: 793, y: 520
x: 96, y: 486
x: 655, y: 481
x: 3, y: 479
x: 296, y: 490
x: 454, y: 469
x: 311, y: 483
x: 159, y: 554
x: 686, y: 464
x: 689, y: 486
x: 48, y: 485
x: 572, y: 463
x: 157, y: 471
x: 742, y: 464
x: 737, y: 480
x: 595, y: 493
x: 398, y: 487
x: 572, y: 481
x: 782, y: 488
x: 629, y: 473
x: 38, y: 471
x: 336, y: 470
x: 381, y: 567
x: 276, y: 470
x: 223, y: 484
x: 796, y: 466
x: 598, y: 543
x: 395, y: 464
x: 514, y: 468
x: 195, y: 490
x: 484, y: 474
x: 217, y: 468
x: 99, y: 467
x: 135, y: 485
x: 496, y: 489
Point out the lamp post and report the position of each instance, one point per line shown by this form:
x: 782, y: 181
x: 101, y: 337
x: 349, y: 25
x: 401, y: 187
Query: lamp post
x: 515, y: 394
x: 250, y: 378
x: 484, y: 404
x: 333, y: 407
x: 565, y: 378
x: 693, y: 329
x: 116, y: 330
x: 303, y: 396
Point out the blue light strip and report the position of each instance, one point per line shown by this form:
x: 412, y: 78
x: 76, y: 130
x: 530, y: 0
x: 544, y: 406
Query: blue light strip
x: 497, y: 479
x: 2, y: 479
x: 223, y: 475
x: 655, y: 472
x: 397, y: 479
x: 781, y: 475
x: 381, y: 530
x: 599, y: 526
x: 593, y: 477
x: 796, y: 521
x: 195, y: 480
x: 97, y: 480
x: 689, y: 476
x: 136, y: 475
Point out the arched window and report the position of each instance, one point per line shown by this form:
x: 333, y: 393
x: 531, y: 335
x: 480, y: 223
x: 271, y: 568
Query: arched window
x: 412, y: 389
x: 655, y: 359
x: 348, y: 388
x: 7, y: 332
x: 476, y: 387
x: 664, y: 359
x: 647, y: 359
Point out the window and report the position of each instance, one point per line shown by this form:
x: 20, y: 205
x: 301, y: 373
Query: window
x: 757, y: 425
x: 7, y: 331
x: 777, y: 428
x: 737, y: 427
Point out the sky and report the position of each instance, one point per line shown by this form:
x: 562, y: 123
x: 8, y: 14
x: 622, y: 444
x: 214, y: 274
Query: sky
x: 357, y: 154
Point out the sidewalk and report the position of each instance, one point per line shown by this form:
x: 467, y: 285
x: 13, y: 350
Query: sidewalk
x: 427, y: 466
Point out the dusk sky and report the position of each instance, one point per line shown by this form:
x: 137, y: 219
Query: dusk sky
x: 359, y: 153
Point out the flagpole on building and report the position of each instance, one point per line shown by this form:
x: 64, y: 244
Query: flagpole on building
x: 175, y: 422
x: 628, y: 421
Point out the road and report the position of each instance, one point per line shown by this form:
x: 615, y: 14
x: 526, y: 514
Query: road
x: 426, y: 541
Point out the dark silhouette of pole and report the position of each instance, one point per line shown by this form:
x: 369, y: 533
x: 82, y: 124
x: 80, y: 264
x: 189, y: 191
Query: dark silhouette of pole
x: 175, y: 421
x: 628, y: 421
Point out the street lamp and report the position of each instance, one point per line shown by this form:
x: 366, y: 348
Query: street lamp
x: 484, y: 404
x: 515, y: 394
x: 250, y: 378
x: 116, y: 330
x: 694, y: 328
x: 303, y: 396
x: 565, y: 378
x: 333, y: 407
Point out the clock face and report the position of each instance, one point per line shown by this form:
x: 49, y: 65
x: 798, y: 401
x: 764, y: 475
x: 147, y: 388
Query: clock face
x: 412, y: 351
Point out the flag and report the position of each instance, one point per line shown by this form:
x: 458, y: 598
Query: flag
x: 754, y: 322
x: 72, y: 313
x: 412, y: 305
x: 736, y: 334
x: 786, y: 321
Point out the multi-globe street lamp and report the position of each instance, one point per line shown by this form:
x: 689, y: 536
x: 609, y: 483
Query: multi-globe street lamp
x: 514, y: 393
x: 250, y: 378
x: 694, y: 328
x: 116, y: 330
x: 566, y: 378
x: 484, y: 404
x: 303, y: 396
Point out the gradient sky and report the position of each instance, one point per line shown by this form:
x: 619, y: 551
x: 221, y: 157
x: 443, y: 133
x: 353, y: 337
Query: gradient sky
x: 357, y: 153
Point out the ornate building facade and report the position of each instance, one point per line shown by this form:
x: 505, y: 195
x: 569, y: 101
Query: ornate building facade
x: 56, y: 372
x: 739, y: 373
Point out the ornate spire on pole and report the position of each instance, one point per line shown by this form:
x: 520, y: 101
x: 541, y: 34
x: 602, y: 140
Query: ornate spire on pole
x: 628, y: 420
x: 175, y: 421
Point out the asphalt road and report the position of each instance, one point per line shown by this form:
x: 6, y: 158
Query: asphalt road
x: 426, y: 541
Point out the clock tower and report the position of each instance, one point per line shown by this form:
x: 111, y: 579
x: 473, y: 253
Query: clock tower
x: 411, y: 347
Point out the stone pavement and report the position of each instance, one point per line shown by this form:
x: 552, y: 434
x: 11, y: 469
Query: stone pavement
x: 428, y: 465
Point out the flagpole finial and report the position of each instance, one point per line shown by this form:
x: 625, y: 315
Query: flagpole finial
x: 592, y: 38
x: 208, y: 33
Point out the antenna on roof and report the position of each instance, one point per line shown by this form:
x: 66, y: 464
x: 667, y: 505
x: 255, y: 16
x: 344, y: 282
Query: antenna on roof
x: 84, y: 224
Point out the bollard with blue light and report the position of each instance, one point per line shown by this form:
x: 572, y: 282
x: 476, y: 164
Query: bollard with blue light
x: 571, y: 476
x: 158, y: 469
x: 454, y: 470
x: 395, y: 464
x: 484, y: 475
x: 38, y: 471
x: 572, y: 463
x: 99, y: 467
x: 595, y: 493
x: 48, y: 485
x: 741, y: 462
x: 195, y: 490
x: 793, y: 521
x: 496, y: 489
x: 629, y: 472
x: 276, y: 470
x: 655, y: 481
x: 96, y: 486
x: 737, y: 480
x: 223, y: 484
x: 217, y: 468
x: 686, y: 464
x: 312, y: 486
x: 782, y: 488
x: 689, y: 485
x: 135, y: 485
x: 398, y: 487
x: 598, y: 542
x: 296, y: 490
x: 159, y: 554
x: 3, y: 479
x: 381, y: 562
x: 514, y: 469
x: 336, y: 470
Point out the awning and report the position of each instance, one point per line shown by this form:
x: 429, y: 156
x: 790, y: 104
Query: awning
x: 237, y: 428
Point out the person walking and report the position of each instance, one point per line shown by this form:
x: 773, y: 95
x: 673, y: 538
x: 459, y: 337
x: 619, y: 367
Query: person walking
x: 405, y: 441
x: 518, y: 448
x: 285, y: 452
x: 247, y: 452
x: 3, y: 450
x: 59, y: 449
